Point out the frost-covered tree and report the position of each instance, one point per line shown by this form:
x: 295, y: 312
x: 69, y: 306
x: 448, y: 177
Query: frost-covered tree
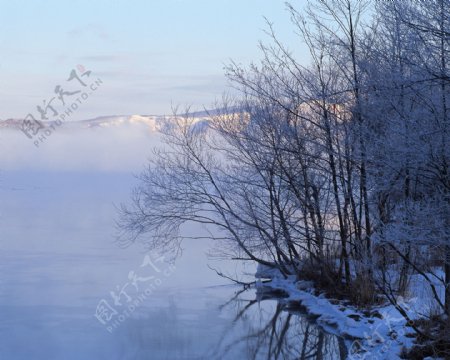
x: 337, y: 170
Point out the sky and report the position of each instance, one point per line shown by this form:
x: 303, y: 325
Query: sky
x: 149, y: 55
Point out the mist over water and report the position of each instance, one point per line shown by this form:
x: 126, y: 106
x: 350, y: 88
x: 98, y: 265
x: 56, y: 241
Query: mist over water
x: 119, y: 147
x: 59, y: 258
x: 58, y: 255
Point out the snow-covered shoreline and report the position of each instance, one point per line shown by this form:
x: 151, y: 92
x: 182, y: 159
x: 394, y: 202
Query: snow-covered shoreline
x: 378, y: 333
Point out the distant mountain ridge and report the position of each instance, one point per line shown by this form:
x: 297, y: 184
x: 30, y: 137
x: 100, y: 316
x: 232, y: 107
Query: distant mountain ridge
x: 153, y: 122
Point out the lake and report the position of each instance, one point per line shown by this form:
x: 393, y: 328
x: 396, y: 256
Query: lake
x: 68, y: 291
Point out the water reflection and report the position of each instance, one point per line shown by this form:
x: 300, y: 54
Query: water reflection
x: 58, y: 261
x: 271, y: 329
x: 202, y: 324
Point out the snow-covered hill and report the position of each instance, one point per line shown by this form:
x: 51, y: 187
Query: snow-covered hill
x: 151, y: 122
x: 112, y: 143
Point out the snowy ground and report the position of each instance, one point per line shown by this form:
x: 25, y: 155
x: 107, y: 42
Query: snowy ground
x: 380, y: 334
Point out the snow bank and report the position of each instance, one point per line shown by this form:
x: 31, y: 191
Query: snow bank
x: 380, y: 333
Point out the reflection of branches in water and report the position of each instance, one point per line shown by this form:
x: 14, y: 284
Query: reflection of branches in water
x: 270, y: 332
x: 246, y: 285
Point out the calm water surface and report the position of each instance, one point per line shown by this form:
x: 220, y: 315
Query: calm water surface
x: 59, y: 262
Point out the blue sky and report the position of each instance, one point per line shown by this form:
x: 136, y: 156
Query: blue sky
x: 149, y: 54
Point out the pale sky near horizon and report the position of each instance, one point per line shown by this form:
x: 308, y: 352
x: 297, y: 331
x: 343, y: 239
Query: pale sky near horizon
x: 150, y: 55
